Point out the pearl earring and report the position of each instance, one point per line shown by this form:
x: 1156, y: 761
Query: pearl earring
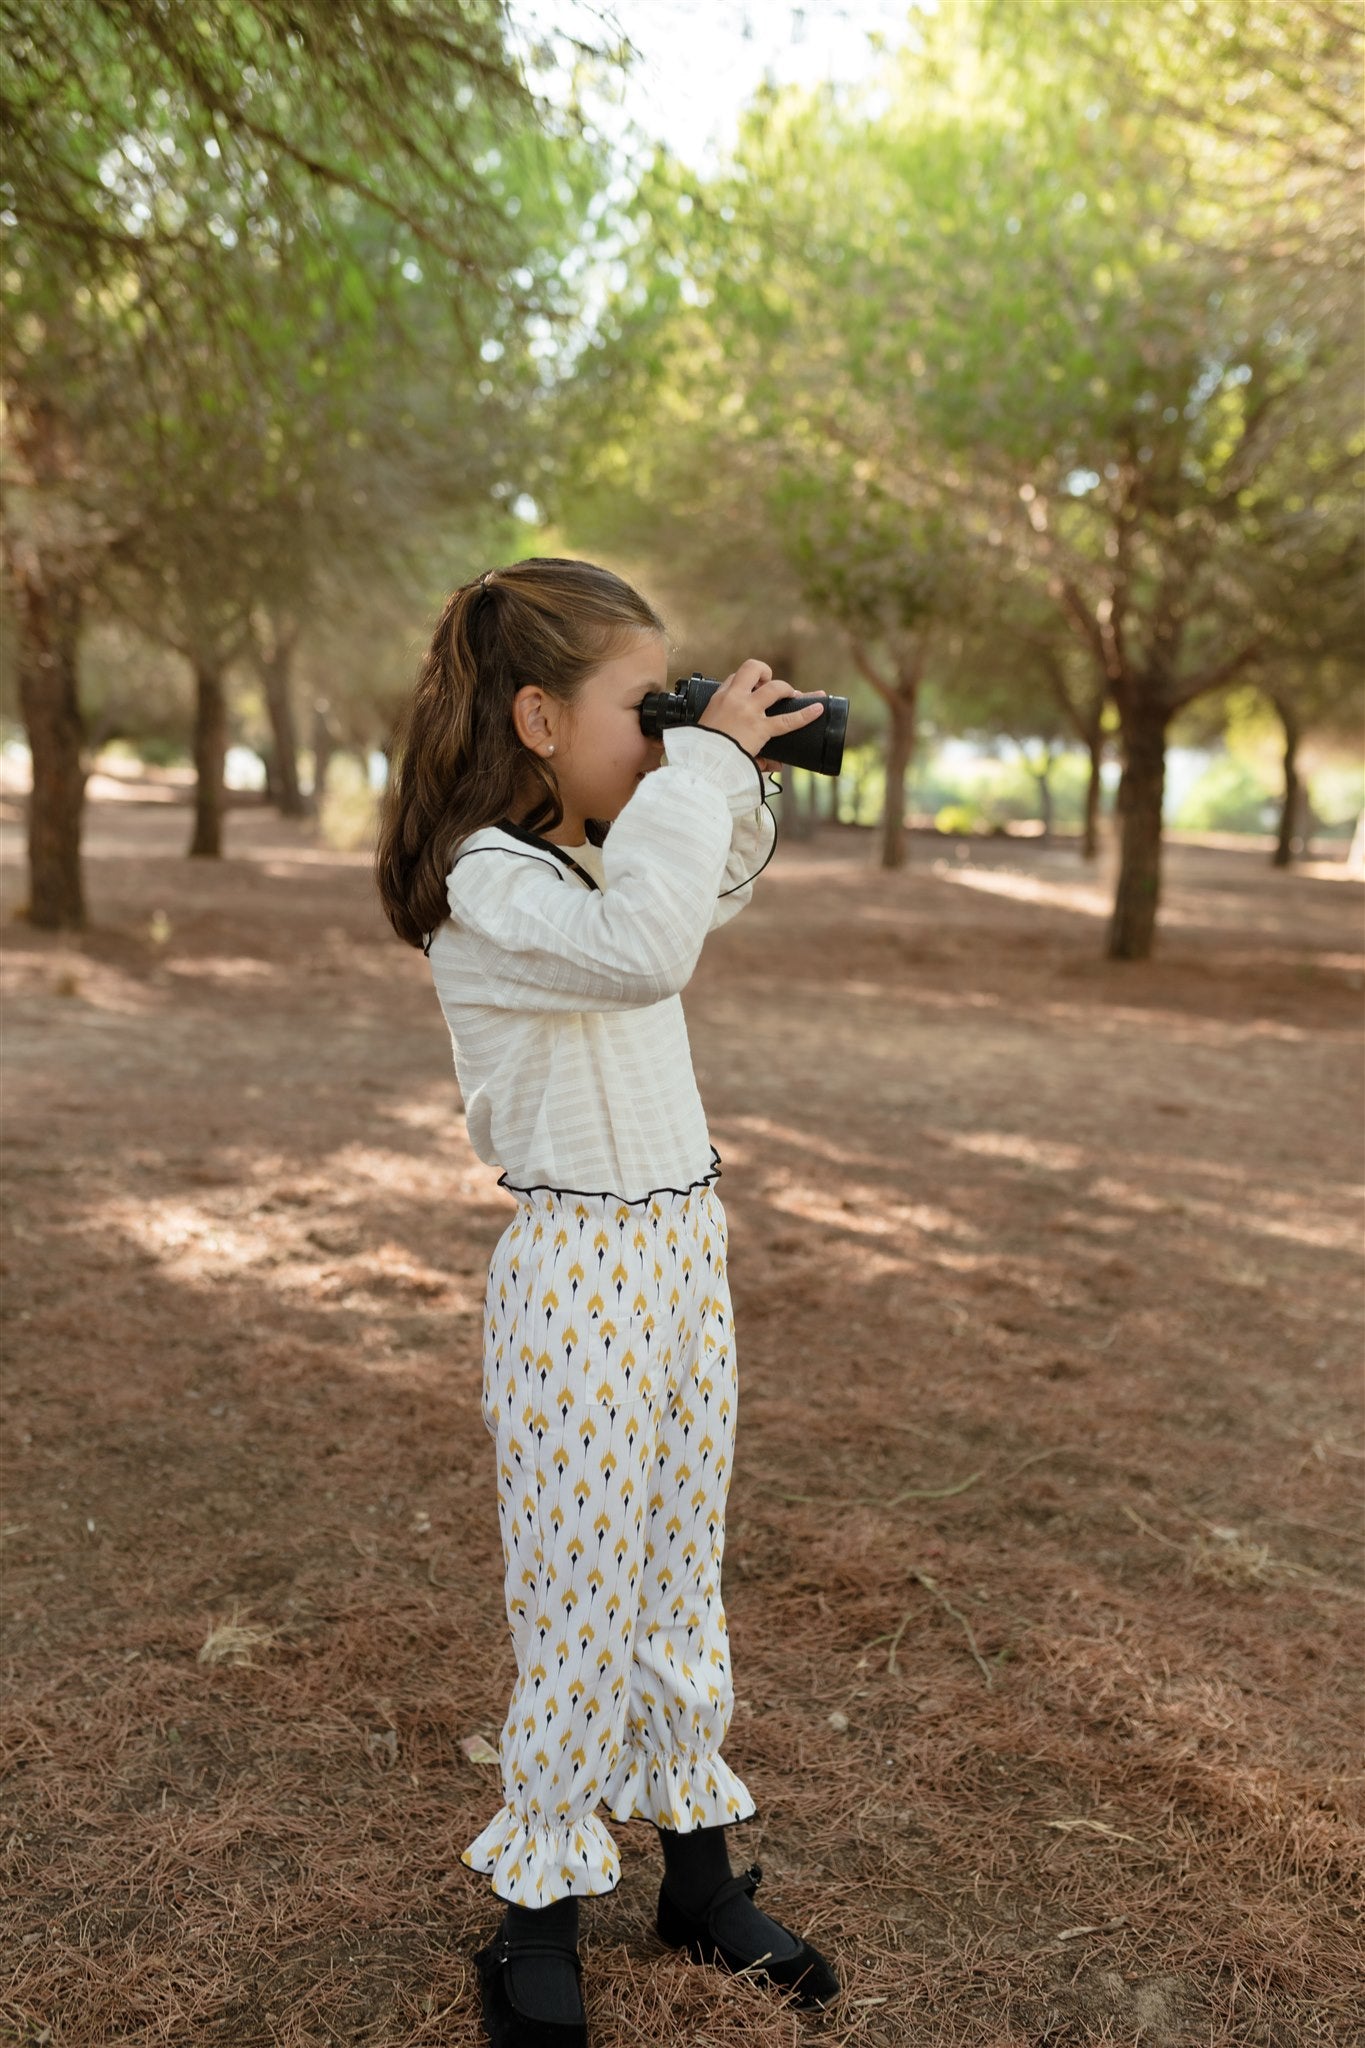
x: 551, y: 750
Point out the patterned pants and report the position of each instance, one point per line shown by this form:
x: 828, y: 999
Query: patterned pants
x: 610, y: 1392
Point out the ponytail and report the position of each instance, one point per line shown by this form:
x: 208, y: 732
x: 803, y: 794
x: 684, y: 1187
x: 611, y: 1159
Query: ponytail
x: 457, y: 761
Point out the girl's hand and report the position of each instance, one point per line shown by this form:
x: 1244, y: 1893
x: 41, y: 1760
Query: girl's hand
x: 740, y: 708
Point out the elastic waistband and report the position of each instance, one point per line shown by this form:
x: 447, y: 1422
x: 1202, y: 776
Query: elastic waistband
x: 607, y: 1203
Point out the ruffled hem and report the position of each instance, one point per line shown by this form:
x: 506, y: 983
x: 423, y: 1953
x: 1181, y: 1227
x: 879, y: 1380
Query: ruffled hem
x: 532, y: 1866
x: 708, y: 1179
x: 679, y: 1791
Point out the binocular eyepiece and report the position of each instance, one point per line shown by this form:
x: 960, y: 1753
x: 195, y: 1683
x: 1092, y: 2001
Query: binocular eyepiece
x: 818, y: 746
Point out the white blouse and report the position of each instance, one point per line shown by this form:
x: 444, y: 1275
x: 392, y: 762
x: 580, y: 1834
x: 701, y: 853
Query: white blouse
x: 564, y: 999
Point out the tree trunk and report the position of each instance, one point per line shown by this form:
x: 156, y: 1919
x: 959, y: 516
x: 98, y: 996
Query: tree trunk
x: 324, y: 746
x: 805, y: 803
x: 49, y: 633
x: 1090, y: 840
x: 900, y: 751
x: 1132, y: 927
x: 210, y: 749
x: 1290, y: 806
x: 798, y: 802
x: 901, y: 699
x: 1043, y: 778
x: 274, y: 665
x: 1355, y: 852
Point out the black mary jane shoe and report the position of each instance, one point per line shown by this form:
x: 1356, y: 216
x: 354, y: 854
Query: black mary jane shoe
x: 806, y: 1973
x: 508, y: 2026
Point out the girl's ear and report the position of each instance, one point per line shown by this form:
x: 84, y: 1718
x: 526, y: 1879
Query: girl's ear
x: 527, y: 715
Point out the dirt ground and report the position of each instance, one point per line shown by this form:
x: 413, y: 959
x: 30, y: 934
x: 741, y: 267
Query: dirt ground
x: 1043, y: 1546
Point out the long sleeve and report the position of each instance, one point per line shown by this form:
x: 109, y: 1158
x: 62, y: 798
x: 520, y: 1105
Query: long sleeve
x: 540, y: 941
x: 752, y: 840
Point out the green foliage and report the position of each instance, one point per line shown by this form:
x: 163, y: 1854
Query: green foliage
x: 1337, y: 792
x: 993, y: 792
x: 978, y: 331
x: 280, y: 281
x: 348, y: 813
x: 982, y: 795
x: 959, y: 818
x: 1228, y: 797
x: 157, y: 752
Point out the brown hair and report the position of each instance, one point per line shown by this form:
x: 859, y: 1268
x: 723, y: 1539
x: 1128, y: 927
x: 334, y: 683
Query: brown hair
x: 456, y: 759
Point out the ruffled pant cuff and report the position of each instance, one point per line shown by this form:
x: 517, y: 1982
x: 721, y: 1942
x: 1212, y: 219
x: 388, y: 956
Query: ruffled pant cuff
x: 534, y: 1865
x: 679, y: 1791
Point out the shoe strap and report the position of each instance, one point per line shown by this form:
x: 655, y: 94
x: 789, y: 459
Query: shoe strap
x: 747, y: 1881
x: 505, y: 1952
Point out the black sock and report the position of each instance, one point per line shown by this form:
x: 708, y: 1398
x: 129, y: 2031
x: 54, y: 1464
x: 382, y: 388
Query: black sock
x: 695, y: 1865
x: 544, y: 1987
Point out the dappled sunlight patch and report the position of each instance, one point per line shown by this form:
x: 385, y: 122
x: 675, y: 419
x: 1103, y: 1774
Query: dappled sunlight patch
x: 409, y: 1174
x: 1050, y: 1154
x: 223, y: 967
x: 1140, y: 1201
x: 1088, y: 899
x: 288, y: 1250
x: 801, y: 1139
x: 879, y: 1218
x: 283, y: 867
x: 441, y: 1115
x: 1312, y: 1229
x: 79, y: 981
x: 956, y: 1000
x: 186, y: 1239
x: 390, y: 1270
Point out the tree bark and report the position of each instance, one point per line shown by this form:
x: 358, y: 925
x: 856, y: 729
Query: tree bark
x: 900, y: 751
x: 274, y: 664
x: 798, y: 798
x: 49, y: 634
x: 1132, y: 926
x: 1084, y: 712
x: 1043, y: 778
x: 1090, y: 839
x: 1290, y: 805
x: 210, y: 749
x: 902, y: 704
x: 324, y: 746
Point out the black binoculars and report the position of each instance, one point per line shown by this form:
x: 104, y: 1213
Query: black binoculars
x: 818, y: 745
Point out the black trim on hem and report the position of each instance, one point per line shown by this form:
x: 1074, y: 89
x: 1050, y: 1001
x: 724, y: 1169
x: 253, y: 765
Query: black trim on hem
x: 708, y: 1179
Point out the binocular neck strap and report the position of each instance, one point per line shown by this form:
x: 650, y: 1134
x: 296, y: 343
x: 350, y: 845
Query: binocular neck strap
x: 535, y: 839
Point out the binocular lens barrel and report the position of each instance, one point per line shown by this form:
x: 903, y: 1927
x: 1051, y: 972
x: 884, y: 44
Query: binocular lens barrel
x: 818, y: 746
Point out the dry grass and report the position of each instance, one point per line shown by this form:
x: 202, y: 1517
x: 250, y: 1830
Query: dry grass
x: 232, y: 1641
x: 1042, y: 1552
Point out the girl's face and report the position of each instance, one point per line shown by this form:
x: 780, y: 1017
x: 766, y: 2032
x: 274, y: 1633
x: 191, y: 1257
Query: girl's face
x: 600, y: 753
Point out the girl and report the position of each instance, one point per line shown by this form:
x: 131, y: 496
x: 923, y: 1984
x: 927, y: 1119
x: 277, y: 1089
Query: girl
x: 561, y: 870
